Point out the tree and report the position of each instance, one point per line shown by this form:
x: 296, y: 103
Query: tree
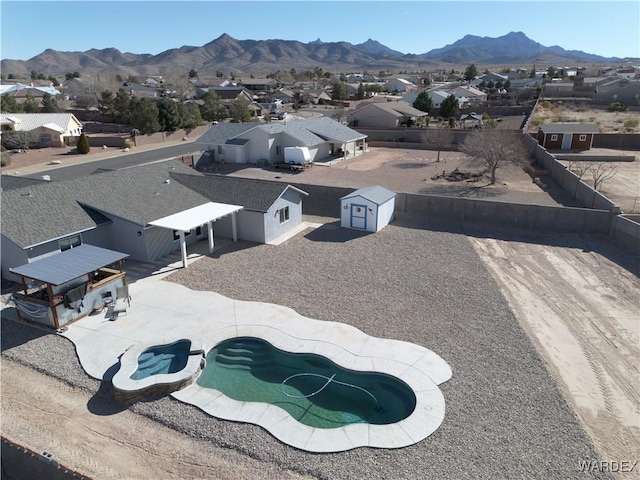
x: 361, y: 92
x: 471, y: 72
x: 438, y: 137
x: 168, y: 115
x: 49, y: 104
x: 212, y: 109
x: 54, y: 81
x: 423, y: 103
x: 18, y: 140
x: 493, y: 148
x: 193, y: 73
x: 85, y: 100
x: 551, y: 72
x: 532, y: 73
x: 340, y: 91
x: 189, y: 115
x: 105, y: 103
x: 449, y: 107
x: 83, y: 144
x: 143, y: 115
x: 600, y: 172
x: 31, y: 105
x: 8, y: 104
x: 239, y: 110
x: 121, y: 106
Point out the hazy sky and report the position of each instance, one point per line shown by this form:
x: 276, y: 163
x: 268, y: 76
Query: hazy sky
x: 610, y: 28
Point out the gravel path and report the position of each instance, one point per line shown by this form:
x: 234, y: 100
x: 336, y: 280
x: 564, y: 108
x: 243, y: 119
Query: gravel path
x: 505, y: 416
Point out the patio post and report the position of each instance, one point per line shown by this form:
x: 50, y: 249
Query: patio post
x: 183, y: 249
x: 210, y: 235
x: 234, y: 227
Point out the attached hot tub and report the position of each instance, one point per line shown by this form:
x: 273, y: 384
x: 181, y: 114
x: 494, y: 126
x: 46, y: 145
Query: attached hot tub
x: 150, y: 370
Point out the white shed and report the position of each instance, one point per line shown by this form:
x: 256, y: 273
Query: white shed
x: 368, y: 209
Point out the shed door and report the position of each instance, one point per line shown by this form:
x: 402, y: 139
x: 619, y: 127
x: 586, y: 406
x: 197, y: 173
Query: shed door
x: 359, y: 216
x: 566, y: 141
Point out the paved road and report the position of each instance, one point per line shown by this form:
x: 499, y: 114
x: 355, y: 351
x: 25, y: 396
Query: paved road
x: 117, y: 162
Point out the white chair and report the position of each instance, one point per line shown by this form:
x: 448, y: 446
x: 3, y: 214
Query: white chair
x: 123, y: 300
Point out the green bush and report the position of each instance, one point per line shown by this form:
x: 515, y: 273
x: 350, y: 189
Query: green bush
x: 617, y: 107
x: 631, y: 123
x: 83, y: 144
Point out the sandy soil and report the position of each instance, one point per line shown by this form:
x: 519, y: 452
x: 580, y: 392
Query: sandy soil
x: 48, y: 415
x: 581, y: 311
x: 607, y: 122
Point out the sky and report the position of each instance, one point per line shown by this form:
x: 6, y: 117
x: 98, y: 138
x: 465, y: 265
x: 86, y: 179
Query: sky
x: 609, y: 28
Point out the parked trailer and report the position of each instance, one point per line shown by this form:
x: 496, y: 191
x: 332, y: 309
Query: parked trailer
x: 293, y: 166
x: 297, y: 155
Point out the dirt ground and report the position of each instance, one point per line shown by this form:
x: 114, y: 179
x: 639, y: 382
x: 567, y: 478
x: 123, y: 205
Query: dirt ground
x: 48, y: 415
x: 581, y: 311
x: 606, y: 121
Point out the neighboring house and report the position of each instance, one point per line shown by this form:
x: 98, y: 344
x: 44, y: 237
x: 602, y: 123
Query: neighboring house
x: 313, y: 96
x: 141, y: 91
x: 270, y: 209
x: 153, y: 82
x: 368, y: 209
x: 438, y: 96
x: 384, y: 115
x: 489, y: 77
x: 44, y: 129
x: 228, y: 95
x: 19, y: 92
x: 259, y: 84
x: 144, y: 212
x: 400, y: 85
x: 285, y: 96
x: 467, y: 95
x: 567, y: 136
x: 624, y: 91
x: 557, y: 89
x: 265, y: 143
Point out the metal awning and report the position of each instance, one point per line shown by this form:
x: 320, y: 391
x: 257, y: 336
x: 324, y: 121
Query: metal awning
x: 196, y: 216
x: 73, y: 263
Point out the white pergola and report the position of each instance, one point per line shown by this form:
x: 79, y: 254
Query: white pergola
x: 194, y: 217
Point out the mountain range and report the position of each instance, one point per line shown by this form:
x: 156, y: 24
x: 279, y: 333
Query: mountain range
x: 226, y: 54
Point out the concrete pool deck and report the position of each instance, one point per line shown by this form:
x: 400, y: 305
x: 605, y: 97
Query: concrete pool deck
x: 161, y: 311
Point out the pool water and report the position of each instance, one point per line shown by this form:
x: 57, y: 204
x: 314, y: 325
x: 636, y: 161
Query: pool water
x: 311, y: 388
x: 162, y: 359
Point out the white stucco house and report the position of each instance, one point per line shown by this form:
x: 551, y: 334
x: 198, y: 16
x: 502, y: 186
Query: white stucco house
x: 43, y: 129
x: 369, y: 209
x: 384, y: 115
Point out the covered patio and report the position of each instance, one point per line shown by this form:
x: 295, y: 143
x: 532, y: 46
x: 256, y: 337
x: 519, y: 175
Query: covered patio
x: 206, y: 214
x: 62, y: 288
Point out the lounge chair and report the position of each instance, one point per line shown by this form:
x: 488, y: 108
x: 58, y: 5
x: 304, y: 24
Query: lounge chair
x: 123, y: 300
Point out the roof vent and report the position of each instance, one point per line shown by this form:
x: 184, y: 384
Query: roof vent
x: 167, y: 181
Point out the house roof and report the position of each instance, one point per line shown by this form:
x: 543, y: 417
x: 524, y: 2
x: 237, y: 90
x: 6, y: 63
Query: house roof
x: 31, y: 121
x: 308, y: 132
x: 255, y: 195
x: 196, y: 216
x: 42, y: 213
x: 9, y: 182
x: 569, y: 128
x: 397, y: 109
x: 73, y: 263
x: 375, y: 194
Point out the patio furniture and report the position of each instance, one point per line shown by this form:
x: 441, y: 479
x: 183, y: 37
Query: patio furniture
x: 123, y: 300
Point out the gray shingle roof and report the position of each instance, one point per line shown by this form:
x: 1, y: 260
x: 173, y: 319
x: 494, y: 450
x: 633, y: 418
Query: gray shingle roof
x: 9, y: 182
x: 220, y: 133
x: 256, y: 195
x: 569, y: 128
x: 55, y: 209
x: 375, y: 194
x: 328, y: 128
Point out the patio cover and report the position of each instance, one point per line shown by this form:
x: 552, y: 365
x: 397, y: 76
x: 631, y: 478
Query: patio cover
x: 73, y: 263
x: 196, y: 216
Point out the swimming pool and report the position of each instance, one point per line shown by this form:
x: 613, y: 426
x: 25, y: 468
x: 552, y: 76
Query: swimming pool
x: 311, y: 388
x: 162, y: 359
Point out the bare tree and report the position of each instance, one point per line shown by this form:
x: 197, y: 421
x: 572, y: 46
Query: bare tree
x: 600, y: 172
x: 493, y: 148
x: 438, y: 137
x: 579, y: 168
x: 19, y: 140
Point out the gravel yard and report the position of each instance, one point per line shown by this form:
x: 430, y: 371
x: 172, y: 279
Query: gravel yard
x: 505, y: 418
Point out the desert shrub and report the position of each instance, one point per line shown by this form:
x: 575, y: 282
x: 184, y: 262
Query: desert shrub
x: 631, y: 123
x: 617, y: 107
x: 5, y: 159
x: 592, y: 119
x: 536, y: 121
x: 545, y: 104
x: 129, y: 143
x: 83, y: 144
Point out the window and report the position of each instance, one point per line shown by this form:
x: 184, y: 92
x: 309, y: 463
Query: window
x: 69, y: 242
x: 277, y: 149
x: 198, y: 231
x: 554, y: 138
x: 583, y: 138
x: 45, y: 138
x: 284, y: 214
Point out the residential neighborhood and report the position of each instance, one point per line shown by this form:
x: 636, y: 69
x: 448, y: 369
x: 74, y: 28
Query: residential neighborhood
x: 247, y: 273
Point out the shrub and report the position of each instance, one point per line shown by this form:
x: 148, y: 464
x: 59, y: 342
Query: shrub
x: 535, y: 121
x: 545, y: 104
x: 5, y: 159
x: 617, y: 107
x: 631, y: 123
x: 83, y: 144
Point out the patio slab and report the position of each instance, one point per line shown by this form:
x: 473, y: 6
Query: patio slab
x: 161, y: 311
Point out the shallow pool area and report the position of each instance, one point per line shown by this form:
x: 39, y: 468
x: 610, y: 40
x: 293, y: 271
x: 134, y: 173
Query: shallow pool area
x: 311, y: 388
x: 162, y: 359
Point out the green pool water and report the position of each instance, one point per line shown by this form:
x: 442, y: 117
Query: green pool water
x: 311, y: 388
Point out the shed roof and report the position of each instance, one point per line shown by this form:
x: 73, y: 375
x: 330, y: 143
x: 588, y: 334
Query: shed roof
x: 375, y: 194
x: 569, y: 128
x: 73, y: 263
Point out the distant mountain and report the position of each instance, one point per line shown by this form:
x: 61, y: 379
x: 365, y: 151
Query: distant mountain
x: 514, y: 47
x: 225, y: 53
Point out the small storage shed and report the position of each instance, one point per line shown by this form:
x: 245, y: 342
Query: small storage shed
x: 368, y: 209
x: 567, y: 136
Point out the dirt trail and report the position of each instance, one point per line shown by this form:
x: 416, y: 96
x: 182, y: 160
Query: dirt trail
x: 47, y: 415
x: 581, y: 311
